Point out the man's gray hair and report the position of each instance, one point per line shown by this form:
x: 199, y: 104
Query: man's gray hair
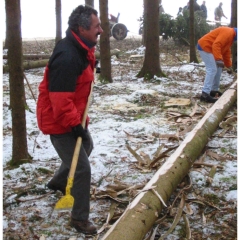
x: 81, y: 17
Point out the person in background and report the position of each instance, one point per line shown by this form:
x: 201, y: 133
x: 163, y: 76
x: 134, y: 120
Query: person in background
x: 63, y: 95
x: 215, y: 50
x: 218, y: 13
x: 179, y: 11
x: 204, y: 9
x: 161, y: 9
x: 186, y: 7
x: 196, y: 6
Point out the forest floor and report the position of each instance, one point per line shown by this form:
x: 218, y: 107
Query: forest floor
x: 134, y: 112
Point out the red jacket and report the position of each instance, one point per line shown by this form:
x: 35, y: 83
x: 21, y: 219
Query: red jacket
x: 64, y: 90
x: 219, y: 42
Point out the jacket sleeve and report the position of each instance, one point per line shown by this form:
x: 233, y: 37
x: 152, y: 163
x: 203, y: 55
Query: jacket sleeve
x: 220, y: 42
x: 227, y: 58
x: 217, y: 47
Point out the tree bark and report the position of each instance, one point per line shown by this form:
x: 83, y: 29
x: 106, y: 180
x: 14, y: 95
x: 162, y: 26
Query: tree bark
x: 144, y: 24
x: 193, y: 55
x: 105, y: 57
x: 234, y: 24
x: 16, y: 83
x: 151, y: 64
x: 142, y: 212
x: 234, y: 13
x: 58, y: 21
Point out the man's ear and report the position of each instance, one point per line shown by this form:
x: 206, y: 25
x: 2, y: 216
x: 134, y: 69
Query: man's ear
x: 81, y: 29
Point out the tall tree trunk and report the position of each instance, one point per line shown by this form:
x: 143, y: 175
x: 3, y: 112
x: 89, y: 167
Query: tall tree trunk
x: 151, y: 64
x: 234, y: 13
x: 90, y: 3
x: 193, y: 55
x: 105, y: 57
x: 143, y: 211
x: 58, y: 21
x: 234, y: 24
x: 16, y: 82
x: 6, y: 39
x: 144, y: 26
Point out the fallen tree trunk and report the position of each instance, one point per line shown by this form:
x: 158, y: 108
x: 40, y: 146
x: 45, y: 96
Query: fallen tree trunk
x: 32, y: 56
x: 144, y: 210
x: 43, y: 63
x: 29, y: 65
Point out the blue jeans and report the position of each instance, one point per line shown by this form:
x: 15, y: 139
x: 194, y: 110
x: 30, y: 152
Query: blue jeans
x: 213, y: 73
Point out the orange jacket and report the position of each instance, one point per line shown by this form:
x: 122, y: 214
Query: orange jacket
x: 219, y: 42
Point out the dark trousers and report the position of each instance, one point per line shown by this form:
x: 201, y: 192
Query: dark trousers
x: 65, y: 145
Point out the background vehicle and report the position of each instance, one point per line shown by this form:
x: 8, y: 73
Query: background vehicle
x: 117, y: 30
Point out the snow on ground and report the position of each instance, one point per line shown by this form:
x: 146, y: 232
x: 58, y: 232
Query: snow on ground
x: 117, y: 108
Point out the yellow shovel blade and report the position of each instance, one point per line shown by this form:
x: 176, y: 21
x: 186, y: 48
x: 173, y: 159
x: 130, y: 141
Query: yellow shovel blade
x: 66, y: 201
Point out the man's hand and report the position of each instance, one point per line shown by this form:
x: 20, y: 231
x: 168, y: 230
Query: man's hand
x: 220, y: 63
x: 97, y: 68
x: 78, y: 131
x: 230, y: 70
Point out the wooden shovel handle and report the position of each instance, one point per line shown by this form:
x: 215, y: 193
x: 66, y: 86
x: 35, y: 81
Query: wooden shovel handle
x: 79, y: 140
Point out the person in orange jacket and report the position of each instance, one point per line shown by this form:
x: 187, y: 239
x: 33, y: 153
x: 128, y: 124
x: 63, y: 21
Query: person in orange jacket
x: 215, y: 51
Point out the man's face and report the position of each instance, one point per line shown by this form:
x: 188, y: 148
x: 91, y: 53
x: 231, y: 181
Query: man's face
x: 91, y: 35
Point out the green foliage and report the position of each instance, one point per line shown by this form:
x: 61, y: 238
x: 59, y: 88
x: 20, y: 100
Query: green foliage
x: 15, y: 164
x: 201, y: 27
x: 213, y: 198
x: 103, y: 80
x: 181, y: 28
x: 178, y: 28
x: 166, y: 26
x: 45, y: 171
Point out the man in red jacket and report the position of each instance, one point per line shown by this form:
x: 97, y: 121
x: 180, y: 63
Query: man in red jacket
x: 63, y: 95
x: 215, y: 50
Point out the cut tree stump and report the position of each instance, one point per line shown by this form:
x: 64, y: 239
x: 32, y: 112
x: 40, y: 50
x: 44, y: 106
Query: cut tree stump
x: 143, y: 211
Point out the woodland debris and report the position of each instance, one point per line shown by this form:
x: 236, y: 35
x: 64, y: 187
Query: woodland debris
x: 207, y: 164
x: 177, y: 102
x: 133, y: 221
x: 176, y: 219
x: 211, y: 175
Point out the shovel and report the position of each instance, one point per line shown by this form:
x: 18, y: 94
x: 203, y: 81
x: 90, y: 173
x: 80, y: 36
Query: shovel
x: 67, y: 201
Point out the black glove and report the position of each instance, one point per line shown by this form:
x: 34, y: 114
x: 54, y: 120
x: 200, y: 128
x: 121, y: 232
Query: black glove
x: 220, y: 63
x: 98, y: 69
x: 79, y: 131
x: 230, y: 70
